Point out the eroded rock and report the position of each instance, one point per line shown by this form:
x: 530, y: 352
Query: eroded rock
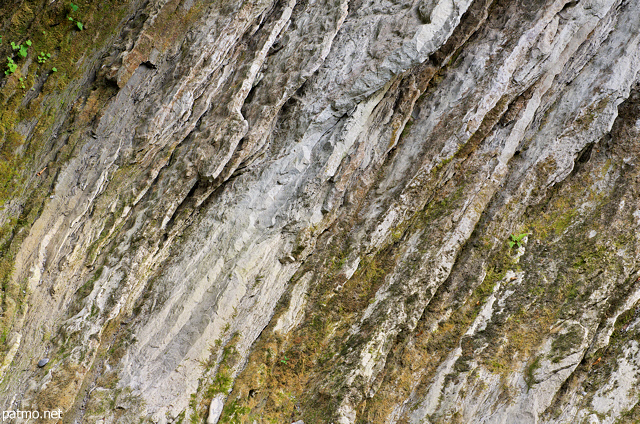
x: 332, y: 211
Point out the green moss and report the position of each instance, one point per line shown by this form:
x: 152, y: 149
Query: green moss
x: 23, y: 162
x: 564, y: 343
x: 221, y: 382
x: 563, y: 221
x: 280, y: 367
x: 180, y: 417
x: 443, y: 207
x: 406, y: 129
x: 632, y: 415
x: 87, y: 287
x: 531, y: 371
x: 94, y: 310
x: 625, y: 318
x: 193, y: 405
x: 233, y: 413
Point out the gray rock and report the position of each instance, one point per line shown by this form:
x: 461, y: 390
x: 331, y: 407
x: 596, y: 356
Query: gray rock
x: 335, y: 183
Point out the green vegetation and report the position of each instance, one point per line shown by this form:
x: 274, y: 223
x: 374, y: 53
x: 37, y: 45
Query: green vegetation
x: 222, y: 381
x: 55, y: 37
x: 233, y: 412
x: 39, y: 132
x: 564, y: 343
x: 516, y: 240
x: 23, y: 161
x: 22, y: 49
x: 74, y: 8
x: 42, y: 57
x: 11, y: 66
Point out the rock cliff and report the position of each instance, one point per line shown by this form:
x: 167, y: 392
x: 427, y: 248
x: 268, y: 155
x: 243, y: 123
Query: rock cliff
x: 328, y: 211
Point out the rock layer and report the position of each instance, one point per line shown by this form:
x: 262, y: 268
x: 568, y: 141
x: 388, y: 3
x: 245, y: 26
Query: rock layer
x: 333, y: 211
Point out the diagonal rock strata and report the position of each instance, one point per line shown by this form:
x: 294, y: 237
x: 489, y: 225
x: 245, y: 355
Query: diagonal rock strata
x: 332, y: 211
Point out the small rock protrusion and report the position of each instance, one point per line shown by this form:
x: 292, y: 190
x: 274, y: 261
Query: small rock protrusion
x: 43, y: 362
x: 289, y: 259
x: 424, y: 11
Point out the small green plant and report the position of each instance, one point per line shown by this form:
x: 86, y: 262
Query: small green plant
x: 11, y: 66
x: 516, y: 240
x: 22, y: 83
x: 42, y: 57
x: 74, y: 8
x: 54, y: 69
x: 22, y: 49
x: 284, y: 361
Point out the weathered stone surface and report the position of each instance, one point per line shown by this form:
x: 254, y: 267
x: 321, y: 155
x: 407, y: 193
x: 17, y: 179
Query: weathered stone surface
x: 348, y: 211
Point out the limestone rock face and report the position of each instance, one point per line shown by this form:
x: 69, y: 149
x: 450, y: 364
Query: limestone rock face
x: 330, y: 211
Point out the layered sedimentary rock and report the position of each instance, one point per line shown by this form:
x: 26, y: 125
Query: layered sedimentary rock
x: 331, y: 211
